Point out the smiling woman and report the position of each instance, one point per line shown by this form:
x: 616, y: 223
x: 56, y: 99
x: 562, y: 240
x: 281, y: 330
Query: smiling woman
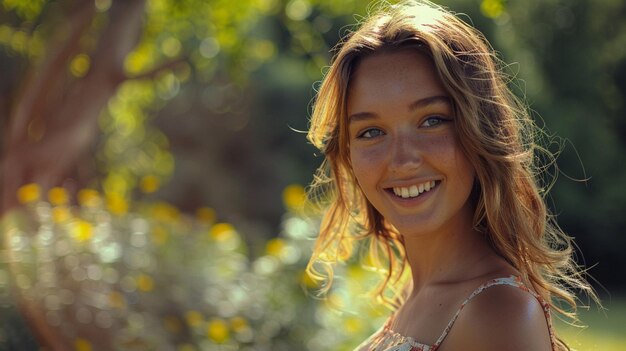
x: 429, y: 157
x: 414, y: 144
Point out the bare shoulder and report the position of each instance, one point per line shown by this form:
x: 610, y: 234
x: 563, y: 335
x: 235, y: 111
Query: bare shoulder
x: 500, y: 318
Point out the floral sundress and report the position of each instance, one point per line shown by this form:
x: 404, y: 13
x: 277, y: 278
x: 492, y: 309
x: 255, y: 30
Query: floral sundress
x: 385, y: 339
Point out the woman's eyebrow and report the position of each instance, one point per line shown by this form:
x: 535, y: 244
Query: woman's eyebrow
x: 421, y: 103
x: 431, y: 100
x: 361, y: 116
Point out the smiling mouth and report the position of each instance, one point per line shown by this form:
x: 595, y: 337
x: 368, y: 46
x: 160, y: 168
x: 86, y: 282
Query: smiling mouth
x: 413, y: 191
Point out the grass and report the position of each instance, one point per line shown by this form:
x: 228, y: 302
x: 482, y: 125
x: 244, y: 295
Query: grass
x: 605, y: 331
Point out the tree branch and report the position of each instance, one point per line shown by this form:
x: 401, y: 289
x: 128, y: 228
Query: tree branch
x: 31, y: 101
x: 158, y: 69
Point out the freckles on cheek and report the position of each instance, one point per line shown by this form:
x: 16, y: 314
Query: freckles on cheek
x: 358, y: 162
x: 364, y: 164
x: 440, y: 146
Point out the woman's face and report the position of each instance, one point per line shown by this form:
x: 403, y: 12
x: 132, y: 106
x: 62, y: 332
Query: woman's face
x: 404, y: 148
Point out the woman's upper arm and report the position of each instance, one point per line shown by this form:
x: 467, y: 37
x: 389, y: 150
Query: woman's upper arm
x: 500, y: 318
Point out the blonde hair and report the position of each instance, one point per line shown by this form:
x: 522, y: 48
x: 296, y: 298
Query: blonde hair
x: 496, y: 132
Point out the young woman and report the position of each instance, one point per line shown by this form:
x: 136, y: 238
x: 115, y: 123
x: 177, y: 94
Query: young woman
x: 431, y: 157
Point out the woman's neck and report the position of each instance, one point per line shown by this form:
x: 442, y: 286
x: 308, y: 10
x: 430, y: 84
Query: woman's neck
x: 453, y: 253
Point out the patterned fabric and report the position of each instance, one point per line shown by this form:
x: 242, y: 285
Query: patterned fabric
x: 386, y: 339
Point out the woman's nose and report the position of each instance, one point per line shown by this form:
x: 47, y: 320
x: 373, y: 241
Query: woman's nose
x: 406, y: 154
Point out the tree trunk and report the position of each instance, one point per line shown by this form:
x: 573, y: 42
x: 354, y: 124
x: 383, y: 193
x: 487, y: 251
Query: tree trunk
x: 53, y: 125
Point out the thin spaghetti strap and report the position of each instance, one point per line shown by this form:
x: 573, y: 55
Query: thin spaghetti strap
x: 512, y: 281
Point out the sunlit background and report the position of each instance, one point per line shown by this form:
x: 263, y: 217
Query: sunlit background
x: 154, y: 167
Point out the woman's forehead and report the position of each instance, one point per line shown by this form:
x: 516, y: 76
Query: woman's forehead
x: 400, y: 77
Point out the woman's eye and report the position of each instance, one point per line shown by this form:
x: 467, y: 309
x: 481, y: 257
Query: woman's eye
x: 371, y: 133
x: 433, y: 121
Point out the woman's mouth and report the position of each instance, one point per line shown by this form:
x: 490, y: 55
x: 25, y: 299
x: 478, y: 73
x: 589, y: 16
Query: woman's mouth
x: 415, y: 190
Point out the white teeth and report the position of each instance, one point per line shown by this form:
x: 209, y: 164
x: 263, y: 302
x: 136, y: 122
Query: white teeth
x: 413, y: 190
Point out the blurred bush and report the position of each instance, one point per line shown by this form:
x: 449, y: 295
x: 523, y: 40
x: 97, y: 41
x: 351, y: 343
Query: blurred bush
x: 143, y: 276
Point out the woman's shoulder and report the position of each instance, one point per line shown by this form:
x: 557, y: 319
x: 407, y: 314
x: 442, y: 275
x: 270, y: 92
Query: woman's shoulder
x: 502, y: 316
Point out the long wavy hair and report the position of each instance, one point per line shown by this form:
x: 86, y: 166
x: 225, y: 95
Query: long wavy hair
x: 495, y: 131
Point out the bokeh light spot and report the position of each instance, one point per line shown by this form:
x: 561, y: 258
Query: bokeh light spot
x: 171, y: 46
x: 222, y: 231
x: 217, y: 330
x: 82, y: 231
x: 140, y: 59
x: 298, y: 10
x: 102, y: 5
x: 28, y: 193
x: 80, y: 65
x: 57, y: 196
x: 145, y: 283
x: 275, y: 247
x: 294, y: 197
x: 149, y: 184
x: 117, y: 204
x: 209, y: 47
x: 492, y: 8
x: 89, y: 198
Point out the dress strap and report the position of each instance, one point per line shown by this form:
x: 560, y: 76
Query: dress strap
x: 512, y: 281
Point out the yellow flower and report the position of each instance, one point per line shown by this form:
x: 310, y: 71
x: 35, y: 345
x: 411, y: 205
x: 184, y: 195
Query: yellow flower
x: 145, y: 283
x: 294, y: 197
x: 238, y: 324
x: 61, y: 214
x: 275, y: 247
x: 57, y: 196
x: 28, y: 193
x: 492, y: 8
x: 149, y: 184
x: 193, y: 318
x: 80, y: 65
x: 217, y: 330
x: 117, y: 204
x: 81, y: 344
x: 88, y: 198
x: 222, y: 232
x: 82, y: 231
x: 206, y: 215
